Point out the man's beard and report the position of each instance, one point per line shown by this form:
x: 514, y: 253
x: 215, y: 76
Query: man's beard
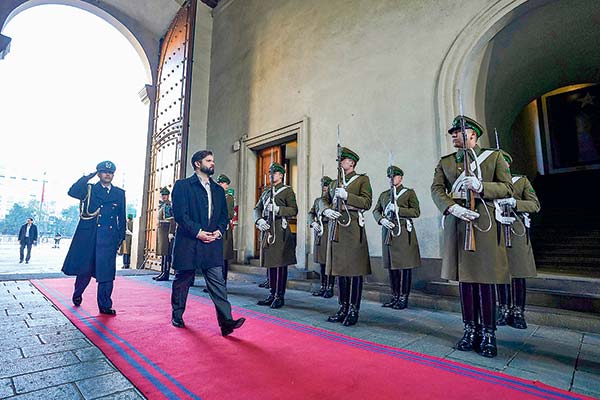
x: 208, y: 171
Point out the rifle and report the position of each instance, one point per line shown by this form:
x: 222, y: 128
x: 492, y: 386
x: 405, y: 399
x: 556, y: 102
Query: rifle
x: 270, y: 215
x: 391, y: 215
x: 337, y: 203
x: 469, y: 244
x: 505, y: 209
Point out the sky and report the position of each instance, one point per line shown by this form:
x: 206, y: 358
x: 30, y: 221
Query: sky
x: 69, y: 99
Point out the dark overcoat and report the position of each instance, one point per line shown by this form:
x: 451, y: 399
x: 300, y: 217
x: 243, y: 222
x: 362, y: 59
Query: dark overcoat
x: 228, y: 239
x: 190, y: 209
x: 33, y: 233
x: 96, y: 240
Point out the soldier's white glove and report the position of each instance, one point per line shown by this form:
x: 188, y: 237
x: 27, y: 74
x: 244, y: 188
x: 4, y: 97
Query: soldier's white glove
x: 387, y: 223
x: 472, y: 183
x: 271, y: 207
x: 171, y: 236
x: 341, y: 193
x: 503, y: 220
x: 128, y: 232
x: 390, y: 208
x: 262, y: 225
x: 331, y: 214
x: 509, y: 201
x: 462, y: 213
x: 316, y: 227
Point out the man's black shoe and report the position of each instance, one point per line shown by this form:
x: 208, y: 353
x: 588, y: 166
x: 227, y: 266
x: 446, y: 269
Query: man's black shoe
x: 26, y: 262
x: 178, y: 322
x: 228, y: 326
x: 77, y: 301
x: 20, y: 261
x: 108, y: 311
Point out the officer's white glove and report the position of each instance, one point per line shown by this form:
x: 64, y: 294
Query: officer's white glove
x: 387, y: 223
x: 341, y: 193
x: 262, y: 225
x: 390, y: 208
x: 463, y: 213
x: 128, y: 232
x: 503, y: 220
x: 509, y: 201
x: 472, y: 183
x: 331, y: 214
x: 171, y: 237
x: 316, y: 227
x: 271, y: 207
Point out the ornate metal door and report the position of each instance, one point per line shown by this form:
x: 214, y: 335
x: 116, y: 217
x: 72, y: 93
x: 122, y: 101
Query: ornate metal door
x: 171, y: 117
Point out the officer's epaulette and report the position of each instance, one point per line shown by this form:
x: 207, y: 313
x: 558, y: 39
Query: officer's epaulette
x: 450, y: 155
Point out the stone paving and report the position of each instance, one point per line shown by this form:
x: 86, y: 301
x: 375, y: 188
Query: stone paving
x: 43, y: 356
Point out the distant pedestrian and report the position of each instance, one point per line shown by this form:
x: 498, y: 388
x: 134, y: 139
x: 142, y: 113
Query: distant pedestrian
x: 100, y: 231
x: 57, y: 238
x: 28, y: 235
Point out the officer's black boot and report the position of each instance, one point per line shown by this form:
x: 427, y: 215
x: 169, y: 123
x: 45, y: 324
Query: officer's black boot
x: 405, y: 283
x: 395, y: 286
x: 165, y: 267
x: 466, y: 343
x: 281, y: 282
x: 163, y: 261
x: 344, y: 299
x: 330, y: 284
x: 503, y: 291
x: 272, y: 285
x: 517, y: 312
x: 487, y: 304
x: 355, y: 297
x: 323, y: 288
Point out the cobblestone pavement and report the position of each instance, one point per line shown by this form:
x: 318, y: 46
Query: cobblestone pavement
x: 43, y: 356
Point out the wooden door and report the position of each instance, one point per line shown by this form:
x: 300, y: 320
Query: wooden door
x: 171, y: 117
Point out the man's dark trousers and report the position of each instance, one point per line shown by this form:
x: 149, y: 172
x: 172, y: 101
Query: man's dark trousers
x: 215, y: 284
x: 104, y: 290
x: 24, y: 243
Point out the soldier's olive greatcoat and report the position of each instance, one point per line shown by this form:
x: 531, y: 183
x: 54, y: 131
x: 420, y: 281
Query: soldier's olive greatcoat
x: 488, y: 264
x: 520, y: 255
x: 349, y: 256
x: 283, y: 251
x: 166, y: 225
x: 126, y: 245
x: 228, y: 238
x: 319, y: 241
x: 403, y: 251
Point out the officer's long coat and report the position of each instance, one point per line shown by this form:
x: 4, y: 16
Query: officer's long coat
x: 283, y: 251
x: 488, y: 264
x: 403, y: 251
x: 520, y: 255
x: 190, y: 210
x: 96, y: 241
x: 349, y: 256
x: 319, y: 241
x: 228, y: 239
x: 166, y: 225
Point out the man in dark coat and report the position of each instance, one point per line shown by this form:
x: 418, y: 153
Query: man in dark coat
x: 28, y: 236
x: 99, y: 233
x: 200, y: 210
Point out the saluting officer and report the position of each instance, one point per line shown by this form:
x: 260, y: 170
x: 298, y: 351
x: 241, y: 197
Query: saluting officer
x: 165, y: 233
x: 99, y: 233
x: 224, y: 182
x: 278, y: 246
x: 520, y: 254
x: 477, y: 271
x: 400, y: 246
x: 348, y: 257
x: 319, y: 224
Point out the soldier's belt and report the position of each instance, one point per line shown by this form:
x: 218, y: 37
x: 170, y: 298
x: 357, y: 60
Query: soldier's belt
x: 462, y: 195
x: 351, y: 208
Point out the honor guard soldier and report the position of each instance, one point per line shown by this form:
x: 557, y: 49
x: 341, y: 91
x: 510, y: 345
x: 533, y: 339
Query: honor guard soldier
x: 319, y: 226
x: 520, y: 254
x: 394, y: 212
x: 465, y: 184
x: 126, y: 245
x: 99, y: 233
x: 348, y: 250
x: 224, y: 182
x: 278, y: 245
x: 165, y: 233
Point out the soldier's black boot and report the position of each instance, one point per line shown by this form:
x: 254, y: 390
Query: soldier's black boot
x: 351, y: 317
x: 266, y: 302
x: 355, y: 289
x: 517, y: 312
x: 280, y: 285
x: 323, y: 288
x: 503, y: 292
x: 468, y: 307
x: 165, y: 267
x: 330, y: 284
x: 163, y: 261
x: 467, y: 342
x: 405, y: 283
x: 344, y: 300
x: 266, y: 284
x: 487, y: 304
x: 278, y: 302
x: 395, y: 286
x: 340, y: 315
x: 488, y: 348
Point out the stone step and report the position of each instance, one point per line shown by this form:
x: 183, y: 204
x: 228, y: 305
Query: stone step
x: 592, y: 251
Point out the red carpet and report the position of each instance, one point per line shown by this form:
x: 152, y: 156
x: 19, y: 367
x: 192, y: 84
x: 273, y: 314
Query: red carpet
x: 268, y: 358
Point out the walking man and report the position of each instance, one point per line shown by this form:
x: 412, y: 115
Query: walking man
x: 200, y: 210
x: 100, y: 232
x: 28, y: 235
